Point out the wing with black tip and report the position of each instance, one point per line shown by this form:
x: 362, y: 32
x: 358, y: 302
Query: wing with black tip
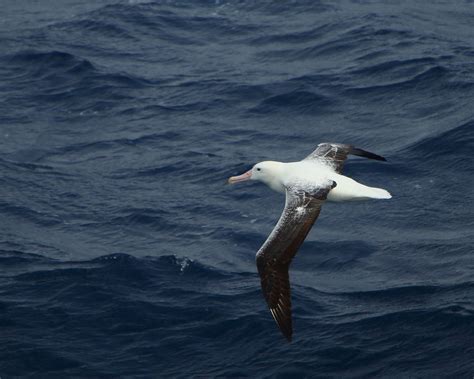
x: 335, y: 154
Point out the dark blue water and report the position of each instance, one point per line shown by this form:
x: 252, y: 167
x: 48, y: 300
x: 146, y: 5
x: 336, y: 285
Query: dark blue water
x: 124, y: 254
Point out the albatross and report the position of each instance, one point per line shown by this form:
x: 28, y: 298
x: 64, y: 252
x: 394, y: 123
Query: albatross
x: 307, y: 185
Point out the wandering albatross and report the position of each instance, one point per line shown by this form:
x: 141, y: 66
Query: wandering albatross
x: 307, y: 184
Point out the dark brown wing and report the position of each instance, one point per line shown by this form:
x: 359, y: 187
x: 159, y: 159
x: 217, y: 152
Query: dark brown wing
x: 334, y: 154
x: 274, y: 257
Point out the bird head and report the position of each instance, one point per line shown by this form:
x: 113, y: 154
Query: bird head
x: 268, y: 172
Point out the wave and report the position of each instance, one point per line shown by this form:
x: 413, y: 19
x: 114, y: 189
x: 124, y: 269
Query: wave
x: 121, y: 266
x: 166, y: 301
x: 123, y: 252
x: 421, y: 81
x: 97, y: 27
x: 300, y: 102
x: 444, y: 149
x: 66, y: 81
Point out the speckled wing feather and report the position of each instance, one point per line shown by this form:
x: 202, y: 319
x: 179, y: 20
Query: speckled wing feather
x: 335, y: 154
x: 274, y: 257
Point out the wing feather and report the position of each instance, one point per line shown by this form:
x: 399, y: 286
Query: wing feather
x: 335, y: 154
x: 274, y: 257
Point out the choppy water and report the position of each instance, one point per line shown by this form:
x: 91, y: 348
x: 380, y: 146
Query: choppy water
x: 123, y: 252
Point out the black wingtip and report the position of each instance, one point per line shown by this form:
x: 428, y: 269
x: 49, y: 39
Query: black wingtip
x: 366, y: 154
x: 283, y: 321
x: 288, y: 334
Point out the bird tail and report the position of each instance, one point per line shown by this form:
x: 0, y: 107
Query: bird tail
x: 379, y: 193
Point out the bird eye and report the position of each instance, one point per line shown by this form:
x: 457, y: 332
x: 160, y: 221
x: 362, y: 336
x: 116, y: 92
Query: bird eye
x: 259, y: 169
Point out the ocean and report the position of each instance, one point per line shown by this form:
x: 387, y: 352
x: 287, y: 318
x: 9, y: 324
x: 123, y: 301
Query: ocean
x: 124, y: 253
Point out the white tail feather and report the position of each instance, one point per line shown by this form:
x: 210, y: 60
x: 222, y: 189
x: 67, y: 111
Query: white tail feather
x: 380, y: 193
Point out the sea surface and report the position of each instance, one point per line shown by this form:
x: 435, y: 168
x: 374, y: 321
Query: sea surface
x: 124, y: 253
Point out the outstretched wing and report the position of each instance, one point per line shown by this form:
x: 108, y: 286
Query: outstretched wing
x: 274, y: 257
x: 334, y: 154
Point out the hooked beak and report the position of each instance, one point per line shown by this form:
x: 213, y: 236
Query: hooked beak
x: 240, y: 178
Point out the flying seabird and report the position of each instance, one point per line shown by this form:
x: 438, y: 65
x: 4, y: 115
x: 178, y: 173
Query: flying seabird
x: 307, y: 184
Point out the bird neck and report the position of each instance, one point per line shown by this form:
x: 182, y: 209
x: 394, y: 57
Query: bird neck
x: 275, y: 181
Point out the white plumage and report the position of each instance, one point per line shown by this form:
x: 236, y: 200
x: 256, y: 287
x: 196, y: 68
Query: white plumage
x: 313, y: 174
x: 307, y: 184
